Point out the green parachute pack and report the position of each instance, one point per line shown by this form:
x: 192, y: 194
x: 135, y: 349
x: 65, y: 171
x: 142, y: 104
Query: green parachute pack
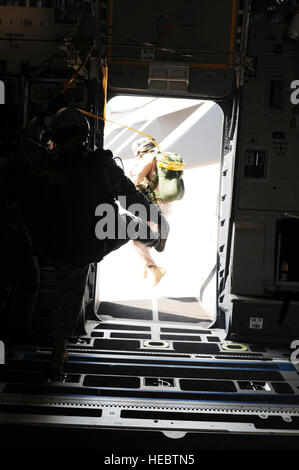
x: 171, y: 183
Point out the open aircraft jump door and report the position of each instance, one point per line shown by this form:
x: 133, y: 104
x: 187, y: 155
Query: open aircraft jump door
x: 237, y: 53
x: 190, y: 49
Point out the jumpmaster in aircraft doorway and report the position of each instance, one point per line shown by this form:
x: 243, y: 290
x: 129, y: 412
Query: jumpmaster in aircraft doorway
x: 192, y: 128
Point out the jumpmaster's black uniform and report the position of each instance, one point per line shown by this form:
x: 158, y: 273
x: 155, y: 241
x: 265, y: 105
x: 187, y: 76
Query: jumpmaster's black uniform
x: 58, y: 193
x: 73, y: 184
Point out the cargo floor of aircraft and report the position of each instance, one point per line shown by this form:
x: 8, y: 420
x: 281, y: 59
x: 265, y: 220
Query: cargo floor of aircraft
x: 154, y: 376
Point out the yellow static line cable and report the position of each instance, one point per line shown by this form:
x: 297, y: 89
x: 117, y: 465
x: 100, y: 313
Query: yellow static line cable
x: 174, y: 166
x: 105, y: 87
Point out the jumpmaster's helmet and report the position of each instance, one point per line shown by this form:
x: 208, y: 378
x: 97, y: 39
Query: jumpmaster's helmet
x: 69, y: 122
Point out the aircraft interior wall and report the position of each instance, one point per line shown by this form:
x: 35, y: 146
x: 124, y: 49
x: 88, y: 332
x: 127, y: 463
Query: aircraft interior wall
x: 261, y: 290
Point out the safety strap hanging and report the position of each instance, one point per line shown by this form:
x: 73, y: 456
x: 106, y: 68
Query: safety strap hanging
x: 174, y: 166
